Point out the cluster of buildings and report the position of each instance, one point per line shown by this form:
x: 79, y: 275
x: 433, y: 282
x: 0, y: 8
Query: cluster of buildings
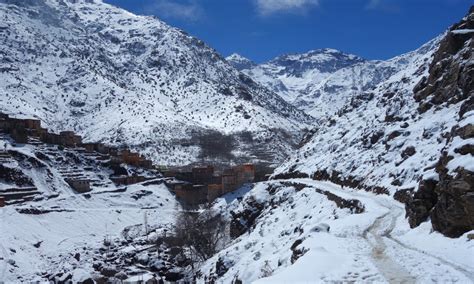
x: 196, y: 186
x: 22, y: 130
x: 203, y: 184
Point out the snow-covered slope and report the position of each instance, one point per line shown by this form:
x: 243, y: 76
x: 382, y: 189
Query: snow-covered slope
x: 321, y: 81
x: 305, y: 231
x: 125, y: 79
x: 414, y: 126
x: 55, y: 231
x: 373, y: 128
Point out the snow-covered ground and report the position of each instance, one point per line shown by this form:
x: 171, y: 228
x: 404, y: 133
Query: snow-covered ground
x: 374, y: 246
x: 79, y: 225
x: 368, y: 240
x: 41, y: 237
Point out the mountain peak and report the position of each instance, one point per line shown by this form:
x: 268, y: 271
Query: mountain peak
x: 320, y: 56
x: 239, y: 62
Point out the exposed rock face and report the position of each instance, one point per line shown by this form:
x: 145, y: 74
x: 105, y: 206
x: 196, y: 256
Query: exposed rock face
x: 448, y: 199
x: 453, y: 214
x: 419, y: 207
x: 243, y: 220
x: 454, y: 54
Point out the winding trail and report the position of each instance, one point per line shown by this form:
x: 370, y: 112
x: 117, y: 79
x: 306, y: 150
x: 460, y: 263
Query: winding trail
x: 375, y: 234
x: 379, y: 236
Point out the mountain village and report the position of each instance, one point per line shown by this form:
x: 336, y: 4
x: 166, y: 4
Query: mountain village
x: 198, y: 186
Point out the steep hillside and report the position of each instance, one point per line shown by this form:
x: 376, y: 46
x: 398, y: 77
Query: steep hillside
x: 125, y: 79
x: 305, y: 231
x: 390, y: 138
x: 321, y: 82
x: 50, y: 232
x: 446, y: 192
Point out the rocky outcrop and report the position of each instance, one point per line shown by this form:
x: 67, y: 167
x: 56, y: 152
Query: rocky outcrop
x: 447, y: 198
x: 453, y: 54
x: 453, y: 214
x: 242, y: 221
x: 349, y: 181
x: 418, y: 208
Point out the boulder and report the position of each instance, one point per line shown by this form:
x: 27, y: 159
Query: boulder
x: 408, y: 152
x: 453, y: 214
x: 418, y: 208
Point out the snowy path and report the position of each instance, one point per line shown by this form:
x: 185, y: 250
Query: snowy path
x: 397, y: 261
x: 375, y: 235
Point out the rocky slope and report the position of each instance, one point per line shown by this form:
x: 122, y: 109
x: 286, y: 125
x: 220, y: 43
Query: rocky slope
x: 125, y: 79
x: 390, y: 138
x: 447, y: 195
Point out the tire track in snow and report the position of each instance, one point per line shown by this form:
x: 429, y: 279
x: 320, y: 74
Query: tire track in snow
x: 459, y: 268
x: 390, y: 269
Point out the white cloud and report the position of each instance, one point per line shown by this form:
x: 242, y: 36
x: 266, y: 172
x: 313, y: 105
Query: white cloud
x: 372, y: 4
x: 391, y: 6
x: 188, y: 10
x: 269, y: 7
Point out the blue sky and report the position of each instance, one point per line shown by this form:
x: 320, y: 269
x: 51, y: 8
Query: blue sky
x: 264, y: 29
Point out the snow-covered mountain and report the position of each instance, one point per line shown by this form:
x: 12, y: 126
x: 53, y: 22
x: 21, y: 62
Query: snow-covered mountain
x: 393, y: 140
x: 126, y: 79
x: 410, y: 132
x: 240, y: 62
x: 321, y: 81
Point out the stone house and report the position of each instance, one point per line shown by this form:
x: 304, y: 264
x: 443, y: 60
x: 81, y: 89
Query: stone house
x: 79, y: 185
x: 214, y: 191
x: 191, y: 194
x: 202, y: 185
x: 32, y: 124
x: 203, y: 175
x: 69, y: 139
x: 145, y: 163
x: 51, y: 138
x: 19, y: 135
x: 245, y: 173
x: 229, y: 181
x: 91, y: 147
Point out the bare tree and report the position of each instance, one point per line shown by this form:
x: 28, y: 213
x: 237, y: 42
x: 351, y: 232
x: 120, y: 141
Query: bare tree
x: 202, y: 233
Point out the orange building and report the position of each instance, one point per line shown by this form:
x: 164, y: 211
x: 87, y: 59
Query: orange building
x: 245, y: 173
x: 213, y: 191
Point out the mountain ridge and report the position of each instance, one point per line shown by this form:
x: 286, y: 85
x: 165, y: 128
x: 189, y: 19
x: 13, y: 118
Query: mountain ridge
x: 152, y: 84
x: 320, y: 81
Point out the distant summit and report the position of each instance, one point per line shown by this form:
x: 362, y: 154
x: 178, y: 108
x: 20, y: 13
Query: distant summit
x: 240, y: 62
